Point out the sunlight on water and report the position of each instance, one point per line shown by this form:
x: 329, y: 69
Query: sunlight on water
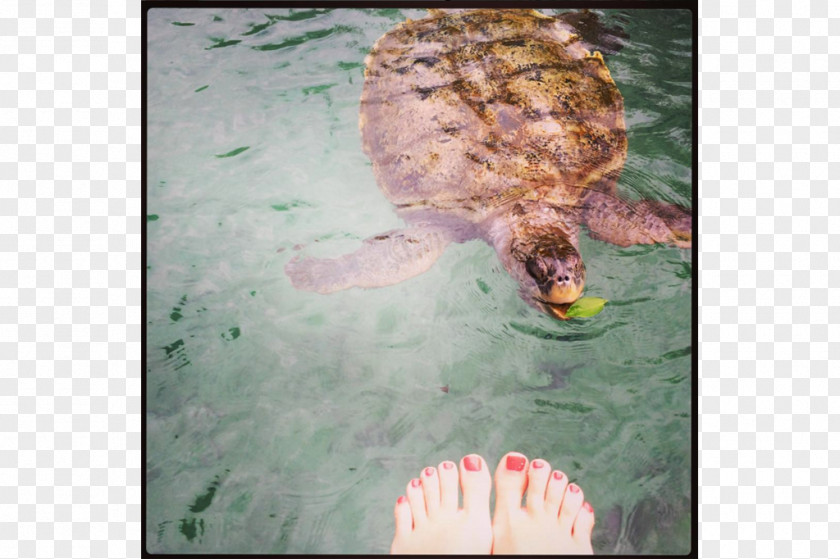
x: 281, y: 421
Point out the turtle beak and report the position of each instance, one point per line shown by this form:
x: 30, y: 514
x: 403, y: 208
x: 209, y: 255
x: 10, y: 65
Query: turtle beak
x: 560, y: 293
x: 556, y: 311
x: 555, y: 299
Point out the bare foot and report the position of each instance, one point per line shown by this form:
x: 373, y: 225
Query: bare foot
x: 429, y: 520
x: 555, y: 520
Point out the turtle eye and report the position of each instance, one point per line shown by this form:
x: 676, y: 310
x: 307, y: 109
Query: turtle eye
x: 536, y: 268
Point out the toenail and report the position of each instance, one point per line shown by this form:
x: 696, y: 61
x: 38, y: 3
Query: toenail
x: 415, y: 482
x: 587, y: 506
x: 574, y: 488
x: 472, y: 463
x: 515, y: 463
x: 448, y: 465
x: 429, y: 471
x: 401, y: 500
x: 538, y: 463
x: 558, y: 475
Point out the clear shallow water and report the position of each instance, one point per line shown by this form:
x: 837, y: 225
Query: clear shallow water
x: 281, y: 421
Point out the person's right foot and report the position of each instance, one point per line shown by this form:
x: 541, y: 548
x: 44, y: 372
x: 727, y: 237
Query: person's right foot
x: 429, y: 520
x: 555, y: 520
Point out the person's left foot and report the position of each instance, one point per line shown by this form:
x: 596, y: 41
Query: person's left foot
x: 429, y: 520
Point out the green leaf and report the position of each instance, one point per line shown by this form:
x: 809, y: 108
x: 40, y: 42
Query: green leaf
x: 586, y: 306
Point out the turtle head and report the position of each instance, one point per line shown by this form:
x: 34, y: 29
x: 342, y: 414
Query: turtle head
x: 554, y: 275
x: 537, y: 244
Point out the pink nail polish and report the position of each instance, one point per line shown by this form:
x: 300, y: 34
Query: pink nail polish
x: 415, y: 482
x: 448, y: 465
x: 401, y: 500
x: 472, y: 463
x: 428, y: 472
x: 587, y: 506
x: 558, y: 475
x: 515, y: 463
x: 537, y: 464
x: 574, y: 488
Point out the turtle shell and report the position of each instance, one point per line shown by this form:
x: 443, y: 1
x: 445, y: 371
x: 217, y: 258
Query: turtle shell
x: 460, y: 108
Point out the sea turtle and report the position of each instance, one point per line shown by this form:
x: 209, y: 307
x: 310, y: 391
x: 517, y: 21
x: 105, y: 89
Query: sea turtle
x: 499, y: 125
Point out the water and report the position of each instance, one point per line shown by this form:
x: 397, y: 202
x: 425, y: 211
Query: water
x: 281, y: 421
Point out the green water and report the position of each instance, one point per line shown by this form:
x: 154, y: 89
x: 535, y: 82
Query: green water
x: 281, y: 421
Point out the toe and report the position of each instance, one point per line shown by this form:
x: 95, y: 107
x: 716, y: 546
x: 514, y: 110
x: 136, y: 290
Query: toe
x: 582, y: 529
x: 431, y: 489
x: 572, y: 501
x: 537, y: 480
x: 475, y: 484
x: 554, y: 492
x: 511, y: 480
x: 448, y: 475
x: 414, y: 490
x: 402, y: 514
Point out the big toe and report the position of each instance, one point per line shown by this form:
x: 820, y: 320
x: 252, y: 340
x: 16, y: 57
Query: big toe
x: 511, y: 481
x: 475, y: 484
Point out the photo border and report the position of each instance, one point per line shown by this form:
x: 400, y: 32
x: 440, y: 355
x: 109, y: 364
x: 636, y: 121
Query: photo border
x: 690, y: 5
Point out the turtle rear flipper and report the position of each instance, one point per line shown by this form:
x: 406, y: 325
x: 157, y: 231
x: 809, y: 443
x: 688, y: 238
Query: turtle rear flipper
x: 622, y: 222
x: 383, y: 260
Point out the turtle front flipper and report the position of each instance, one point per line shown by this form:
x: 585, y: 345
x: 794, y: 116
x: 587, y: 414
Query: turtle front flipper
x: 383, y: 260
x: 624, y: 222
x: 593, y: 32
